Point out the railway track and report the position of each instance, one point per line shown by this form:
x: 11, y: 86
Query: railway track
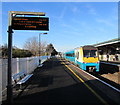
x: 98, y: 76
x: 96, y: 82
x: 108, y: 80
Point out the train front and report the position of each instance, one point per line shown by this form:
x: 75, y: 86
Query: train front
x: 90, y: 59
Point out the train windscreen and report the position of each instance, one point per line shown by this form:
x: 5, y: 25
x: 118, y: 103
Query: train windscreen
x: 90, y: 53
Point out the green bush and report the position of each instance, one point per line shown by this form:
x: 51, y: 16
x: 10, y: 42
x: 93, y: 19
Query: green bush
x: 21, y: 53
x: 16, y: 52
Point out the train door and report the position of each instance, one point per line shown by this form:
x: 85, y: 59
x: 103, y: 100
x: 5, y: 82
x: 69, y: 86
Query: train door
x: 76, y: 56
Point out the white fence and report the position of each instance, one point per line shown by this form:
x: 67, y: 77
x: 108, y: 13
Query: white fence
x: 19, y: 64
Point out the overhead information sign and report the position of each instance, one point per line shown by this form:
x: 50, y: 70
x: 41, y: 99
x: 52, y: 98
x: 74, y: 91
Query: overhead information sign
x: 30, y: 23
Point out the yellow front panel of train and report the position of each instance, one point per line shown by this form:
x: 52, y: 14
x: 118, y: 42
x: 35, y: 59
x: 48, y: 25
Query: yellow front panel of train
x: 90, y: 59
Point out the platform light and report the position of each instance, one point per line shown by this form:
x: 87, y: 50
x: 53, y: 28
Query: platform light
x: 39, y: 46
x: 117, y: 48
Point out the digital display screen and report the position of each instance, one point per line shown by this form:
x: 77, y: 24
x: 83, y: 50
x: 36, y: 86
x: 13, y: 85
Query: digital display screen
x: 30, y: 23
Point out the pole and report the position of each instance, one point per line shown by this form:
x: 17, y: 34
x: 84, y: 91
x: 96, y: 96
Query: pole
x: 9, y: 83
x: 9, y: 72
x: 9, y: 86
x: 39, y: 48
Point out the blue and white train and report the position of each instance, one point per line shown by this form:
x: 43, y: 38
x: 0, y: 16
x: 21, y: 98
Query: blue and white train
x: 86, y: 57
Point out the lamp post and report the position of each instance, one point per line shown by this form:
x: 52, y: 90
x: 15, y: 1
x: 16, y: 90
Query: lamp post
x: 40, y: 47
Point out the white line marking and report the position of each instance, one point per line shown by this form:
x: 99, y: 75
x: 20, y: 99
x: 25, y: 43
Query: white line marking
x: 99, y: 80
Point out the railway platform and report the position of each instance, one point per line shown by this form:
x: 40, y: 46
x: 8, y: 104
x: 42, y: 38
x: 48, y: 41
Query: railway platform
x: 59, y: 82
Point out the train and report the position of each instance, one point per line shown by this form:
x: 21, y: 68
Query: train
x: 86, y: 57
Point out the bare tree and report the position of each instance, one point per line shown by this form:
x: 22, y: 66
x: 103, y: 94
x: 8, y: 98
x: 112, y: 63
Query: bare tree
x: 43, y: 47
x: 32, y: 44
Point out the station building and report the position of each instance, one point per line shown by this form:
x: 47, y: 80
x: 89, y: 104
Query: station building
x: 109, y: 50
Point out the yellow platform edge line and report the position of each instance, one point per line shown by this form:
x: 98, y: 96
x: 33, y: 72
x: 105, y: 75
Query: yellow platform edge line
x: 99, y: 97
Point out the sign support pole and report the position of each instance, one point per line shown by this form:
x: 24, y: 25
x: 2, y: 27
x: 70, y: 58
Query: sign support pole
x: 9, y: 84
x: 9, y: 72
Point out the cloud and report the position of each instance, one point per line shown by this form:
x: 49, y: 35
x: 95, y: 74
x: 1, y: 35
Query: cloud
x: 61, y: 16
x: 62, y: 13
x: 65, y: 48
x: 91, y: 10
x: 69, y: 27
x: 74, y: 9
x: 105, y: 22
x: 66, y: 25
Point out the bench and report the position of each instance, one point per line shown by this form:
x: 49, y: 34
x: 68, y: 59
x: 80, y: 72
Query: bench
x: 21, y: 77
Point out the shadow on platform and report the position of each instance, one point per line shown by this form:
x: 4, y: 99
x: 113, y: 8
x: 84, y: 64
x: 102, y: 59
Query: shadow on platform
x: 52, y: 84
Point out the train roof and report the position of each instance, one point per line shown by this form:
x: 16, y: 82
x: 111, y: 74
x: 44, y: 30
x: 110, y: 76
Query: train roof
x: 71, y: 51
x: 89, y: 47
x: 86, y: 47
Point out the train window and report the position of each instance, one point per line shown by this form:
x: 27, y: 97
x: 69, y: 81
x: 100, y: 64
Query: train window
x: 77, y: 55
x: 86, y: 53
x: 90, y: 53
x: 70, y: 54
x: 93, y: 53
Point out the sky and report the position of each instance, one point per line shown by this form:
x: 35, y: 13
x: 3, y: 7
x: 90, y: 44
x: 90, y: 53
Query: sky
x: 71, y: 24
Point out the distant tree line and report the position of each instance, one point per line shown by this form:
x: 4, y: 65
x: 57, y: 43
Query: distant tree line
x: 16, y: 52
x: 31, y: 48
x: 39, y: 48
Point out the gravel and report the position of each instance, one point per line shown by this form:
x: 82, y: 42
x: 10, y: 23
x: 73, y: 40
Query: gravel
x: 115, y: 77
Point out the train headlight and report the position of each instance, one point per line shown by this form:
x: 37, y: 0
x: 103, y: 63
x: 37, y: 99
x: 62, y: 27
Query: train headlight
x: 97, y: 62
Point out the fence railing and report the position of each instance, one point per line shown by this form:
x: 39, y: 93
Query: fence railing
x: 28, y: 64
